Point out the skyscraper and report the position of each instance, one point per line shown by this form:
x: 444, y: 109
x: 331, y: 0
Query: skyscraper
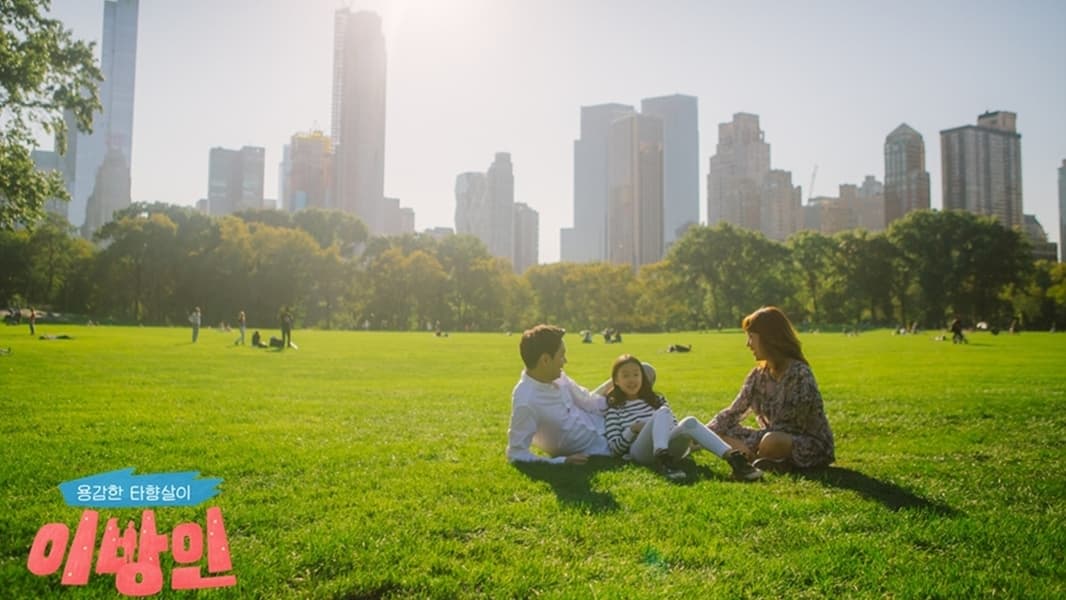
x: 359, y: 116
x: 871, y: 204
x: 586, y: 240
x: 112, y: 137
x: 399, y: 220
x: 111, y: 192
x: 906, y: 180
x: 741, y: 188
x: 737, y: 171
x: 45, y: 161
x: 235, y: 180
x: 308, y: 172
x: 982, y: 168
x: 471, y: 210
x: 681, y: 161
x: 781, y: 208
x: 500, y: 179
x: 484, y: 206
x: 1062, y: 211
x: 635, y: 190
x: 526, y: 237
x: 1039, y: 245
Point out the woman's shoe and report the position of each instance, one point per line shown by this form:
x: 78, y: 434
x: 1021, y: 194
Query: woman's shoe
x: 773, y: 465
x: 742, y: 469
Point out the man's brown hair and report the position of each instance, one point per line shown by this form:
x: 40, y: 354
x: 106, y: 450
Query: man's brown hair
x: 542, y: 339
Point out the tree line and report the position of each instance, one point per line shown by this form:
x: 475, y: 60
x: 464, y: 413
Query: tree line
x: 155, y: 262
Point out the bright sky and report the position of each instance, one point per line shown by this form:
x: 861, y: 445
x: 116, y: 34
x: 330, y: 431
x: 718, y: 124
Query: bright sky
x: 469, y: 78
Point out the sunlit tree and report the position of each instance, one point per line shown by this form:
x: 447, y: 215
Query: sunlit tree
x: 44, y: 72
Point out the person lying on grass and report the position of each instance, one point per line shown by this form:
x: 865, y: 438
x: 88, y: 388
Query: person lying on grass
x: 640, y: 426
x: 781, y: 391
x: 549, y: 410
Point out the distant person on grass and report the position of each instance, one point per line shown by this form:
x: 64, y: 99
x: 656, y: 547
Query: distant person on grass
x: 194, y: 320
x: 286, y: 327
x: 640, y: 426
x: 781, y: 391
x: 957, y: 337
x: 241, y: 323
x: 551, y: 411
x: 33, y: 320
x: 257, y: 340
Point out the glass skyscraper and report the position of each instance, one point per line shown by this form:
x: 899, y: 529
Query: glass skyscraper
x: 358, y: 127
x: 112, y: 136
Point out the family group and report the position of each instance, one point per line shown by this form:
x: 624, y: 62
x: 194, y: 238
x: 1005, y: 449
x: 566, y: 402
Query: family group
x: 625, y: 417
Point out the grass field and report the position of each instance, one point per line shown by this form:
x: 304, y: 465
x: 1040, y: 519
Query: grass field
x: 369, y: 465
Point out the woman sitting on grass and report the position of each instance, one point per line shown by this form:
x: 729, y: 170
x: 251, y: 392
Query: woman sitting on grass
x: 641, y: 427
x: 781, y: 391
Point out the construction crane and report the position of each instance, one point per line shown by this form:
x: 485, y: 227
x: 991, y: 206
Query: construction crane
x: 810, y: 190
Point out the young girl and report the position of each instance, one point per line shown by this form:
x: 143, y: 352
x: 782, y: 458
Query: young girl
x: 781, y: 391
x: 641, y: 427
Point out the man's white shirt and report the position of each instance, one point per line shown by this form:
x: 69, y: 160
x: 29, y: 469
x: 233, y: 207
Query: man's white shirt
x: 561, y: 418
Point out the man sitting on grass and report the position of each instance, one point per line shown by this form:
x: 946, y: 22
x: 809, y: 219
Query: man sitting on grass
x: 551, y: 411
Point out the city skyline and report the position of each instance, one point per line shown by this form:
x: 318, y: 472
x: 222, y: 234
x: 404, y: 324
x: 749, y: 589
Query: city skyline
x: 468, y: 79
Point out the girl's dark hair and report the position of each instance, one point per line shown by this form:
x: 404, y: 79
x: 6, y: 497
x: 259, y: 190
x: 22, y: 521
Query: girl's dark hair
x: 616, y: 397
x: 775, y: 332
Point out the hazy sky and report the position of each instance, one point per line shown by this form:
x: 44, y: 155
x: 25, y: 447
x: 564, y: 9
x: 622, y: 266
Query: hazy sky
x: 469, y: 78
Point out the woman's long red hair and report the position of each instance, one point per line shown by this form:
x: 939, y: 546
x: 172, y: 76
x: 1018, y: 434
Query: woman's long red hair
x: 776, y: 333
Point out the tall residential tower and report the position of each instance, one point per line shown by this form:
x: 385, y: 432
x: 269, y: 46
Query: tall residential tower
x: 981, y: 168
x: 526, y: 237
x: 741, y: 188
x: 681, y: 162
x: 235, y: 180
x: 906, y: 180
x: 112, y: 138
x: 635, y: 190
x: 737, y: 171
x: 586, y: 241
x: 1062, y: 211
x: 359, y: 116
x: 484, y: 206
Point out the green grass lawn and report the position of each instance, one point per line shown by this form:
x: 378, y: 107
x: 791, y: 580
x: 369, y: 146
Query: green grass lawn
x: 372, y: 465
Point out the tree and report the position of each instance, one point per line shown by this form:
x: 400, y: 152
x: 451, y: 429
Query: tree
x: 1039, y: 299
x: 426, y: 282
x: 600, y: 295
x: 811, y: 256
x: 928, y: 250
x: 330, y: 227
x: 548, y: 283
x: 741, y: 269
x: 44, y: 73
x: 54, y: 250
x: 136, y: 266
x: 266, y: 216
x: 467, y: 262
x: 860, y: 276
x: 279, y: 275
x: 661, y: 299
x: 959, y: 261
x: 389, y: 299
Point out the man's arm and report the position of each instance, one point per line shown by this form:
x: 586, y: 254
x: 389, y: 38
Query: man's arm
x: 601, y: 390
x: 592, y: 402
x: 520, y: 437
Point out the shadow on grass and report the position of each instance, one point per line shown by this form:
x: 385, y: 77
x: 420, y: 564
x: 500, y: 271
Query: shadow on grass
x: 572, y: 484
x: 892, y: 496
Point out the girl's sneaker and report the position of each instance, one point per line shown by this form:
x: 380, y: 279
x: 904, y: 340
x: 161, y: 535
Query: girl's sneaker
x: 667, y: 467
